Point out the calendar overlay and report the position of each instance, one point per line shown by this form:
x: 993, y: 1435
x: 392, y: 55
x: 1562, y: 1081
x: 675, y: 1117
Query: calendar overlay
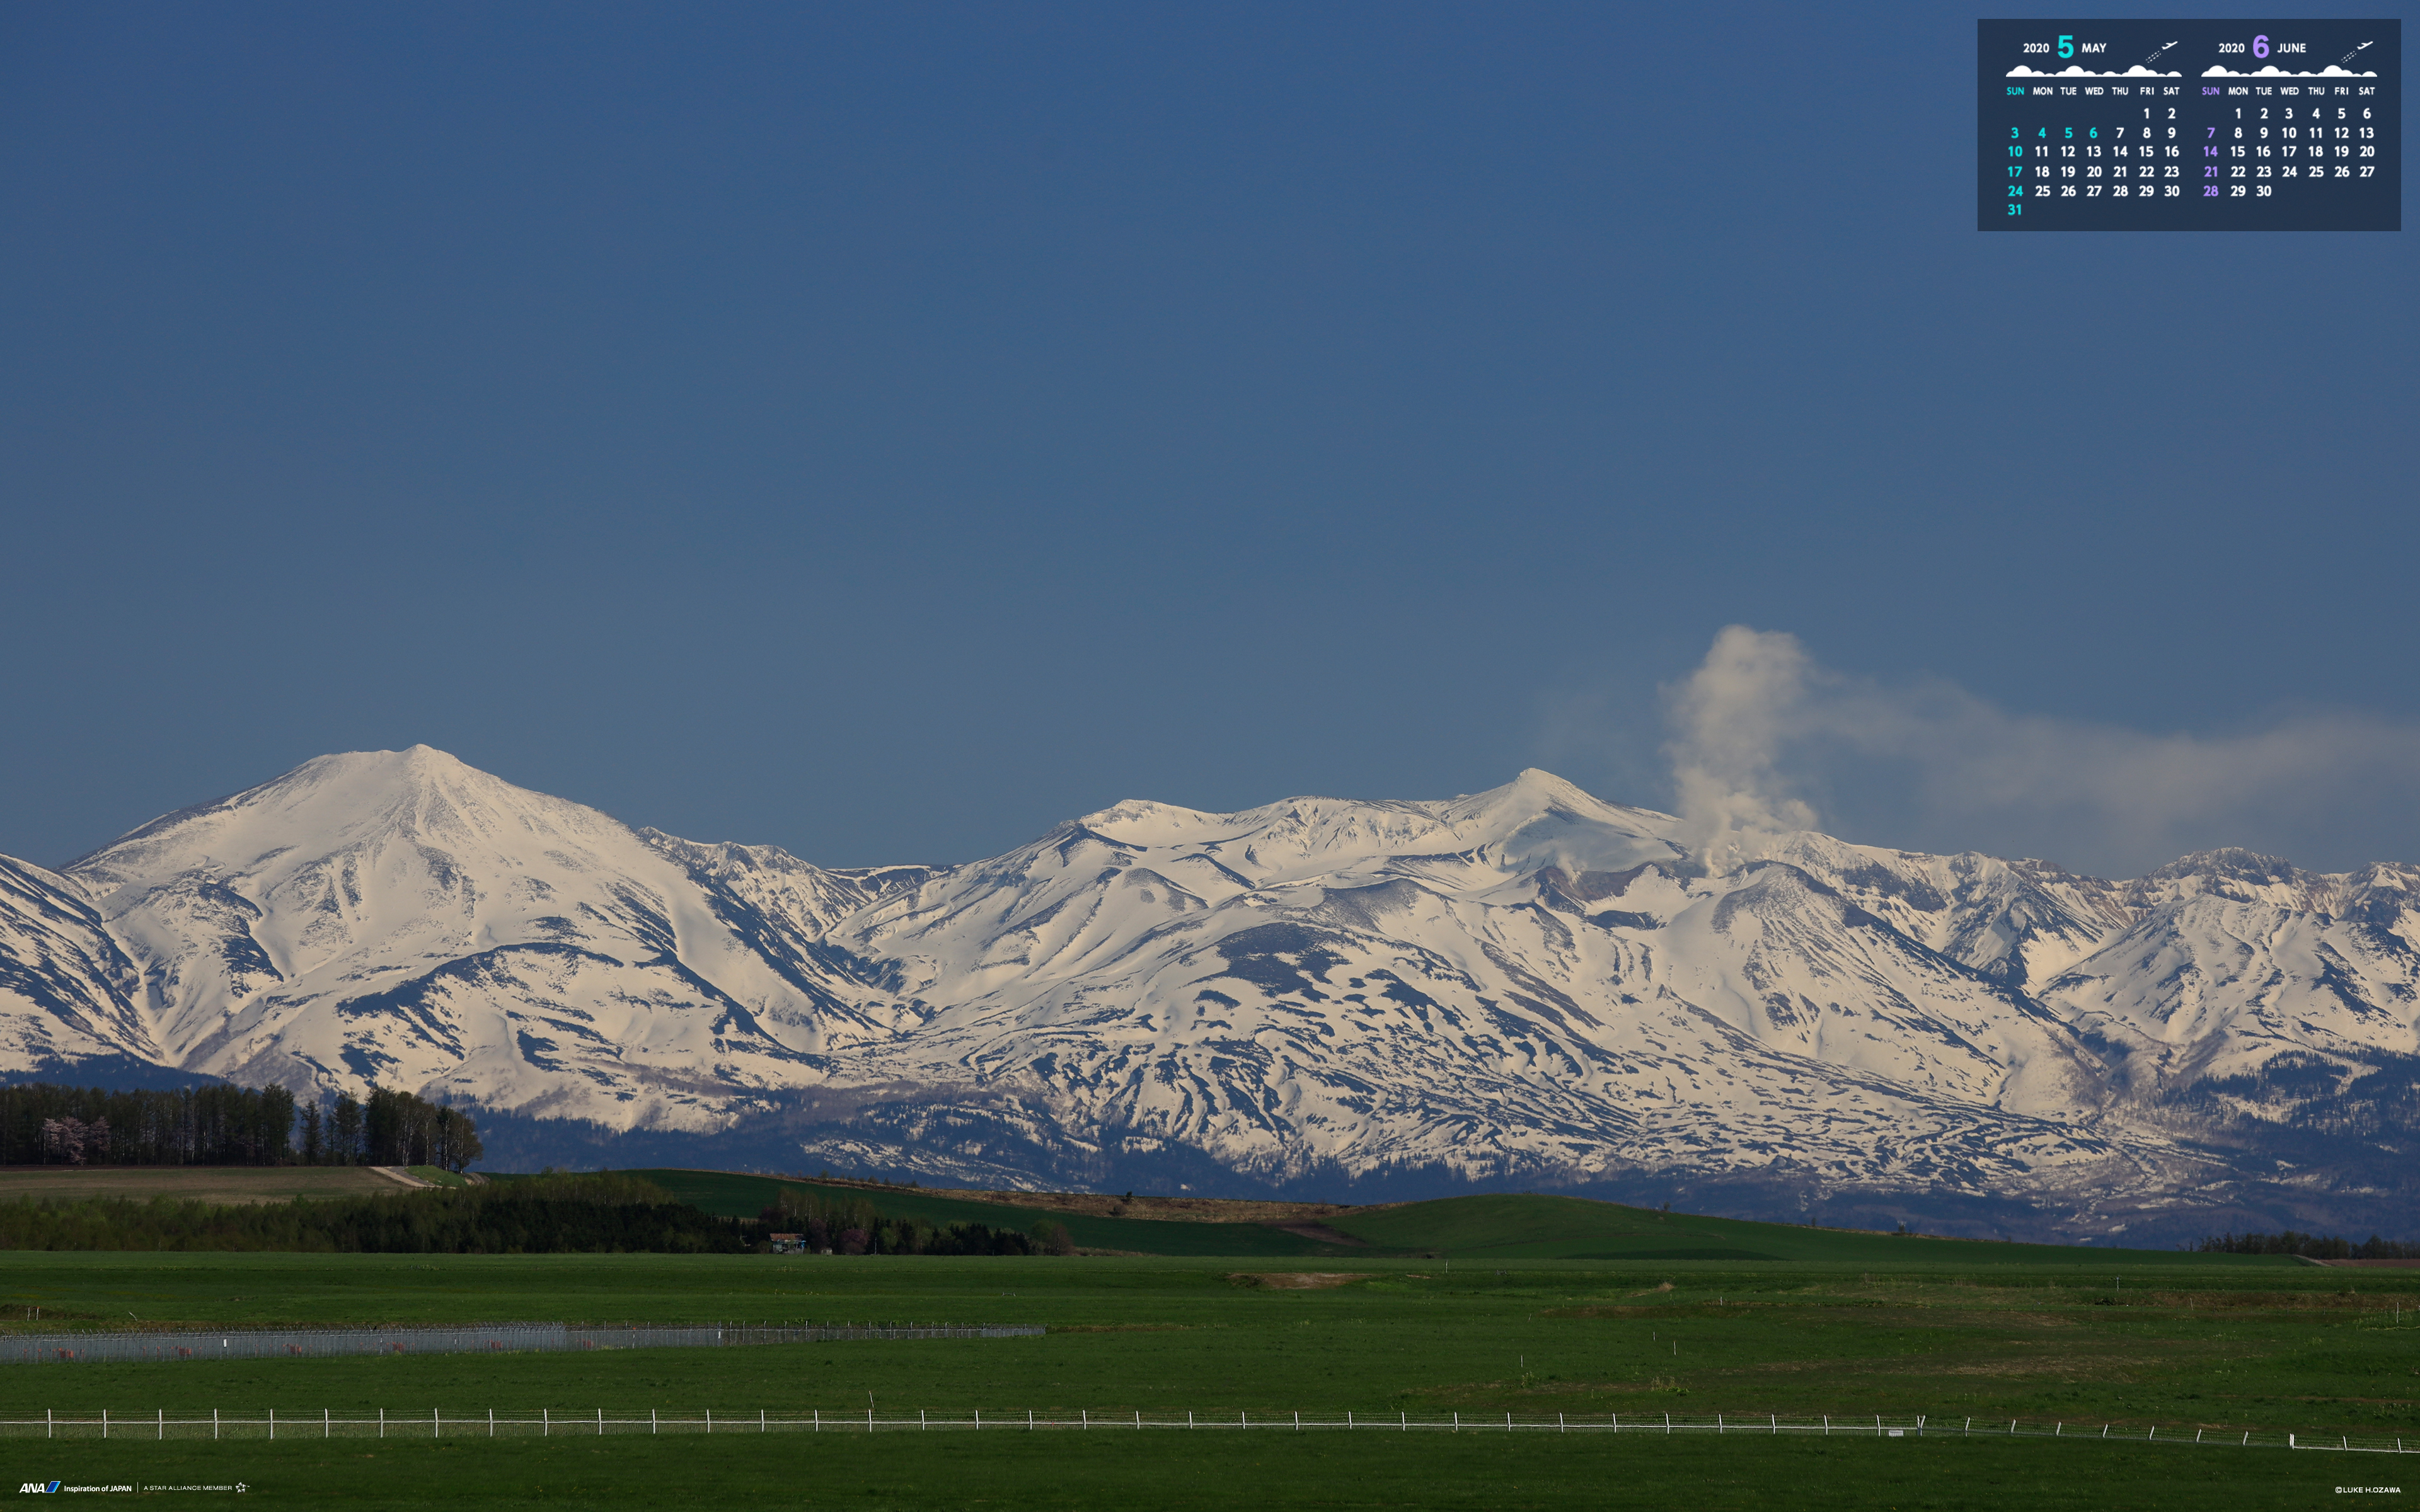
x: 2190, y: 125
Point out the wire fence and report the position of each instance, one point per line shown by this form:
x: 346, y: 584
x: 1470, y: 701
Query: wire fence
x: 464, y: 1338
x: 599, y: 1422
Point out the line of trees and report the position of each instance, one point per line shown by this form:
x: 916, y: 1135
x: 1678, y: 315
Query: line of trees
x: 391, y: 1129
x: 532, y: 1215
x: 44, y: 1124
x: 2310, y: 1246
x: 849, y: 1225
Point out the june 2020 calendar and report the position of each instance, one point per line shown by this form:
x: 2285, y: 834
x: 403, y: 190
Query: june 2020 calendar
x: 2190, y: 126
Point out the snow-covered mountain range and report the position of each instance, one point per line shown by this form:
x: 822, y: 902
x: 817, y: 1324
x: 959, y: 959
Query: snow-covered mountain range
x: 1527, y: 986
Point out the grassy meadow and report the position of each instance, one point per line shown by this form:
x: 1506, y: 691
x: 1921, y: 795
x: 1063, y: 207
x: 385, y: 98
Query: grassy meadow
x: 193, y: 1183
x: 1479, y: 1306
x: 1472, y: 1228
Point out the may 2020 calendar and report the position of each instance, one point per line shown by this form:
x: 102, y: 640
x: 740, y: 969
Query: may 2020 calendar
x: 2190, y: 125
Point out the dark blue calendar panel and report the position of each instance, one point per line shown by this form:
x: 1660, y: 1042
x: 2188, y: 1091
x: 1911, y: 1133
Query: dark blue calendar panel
x: 2190, y: 125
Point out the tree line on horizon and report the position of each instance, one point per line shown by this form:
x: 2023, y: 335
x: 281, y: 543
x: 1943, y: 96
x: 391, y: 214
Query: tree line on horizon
x: 548, y: 1214
x: 43, y: 1123
x: 2310, y: 1246
x: 390, y: 1129
x: 831, y: 1224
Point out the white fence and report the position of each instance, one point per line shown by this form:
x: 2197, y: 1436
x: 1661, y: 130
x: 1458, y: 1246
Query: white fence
x: 455, y: 1338
x: 597, y: 1423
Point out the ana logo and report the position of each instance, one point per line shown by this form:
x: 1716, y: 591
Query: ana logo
x: 38, y: 1487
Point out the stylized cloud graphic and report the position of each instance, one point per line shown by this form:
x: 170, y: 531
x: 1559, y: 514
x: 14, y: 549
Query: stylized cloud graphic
x: 2075, y: 71
x: 2273, y: 71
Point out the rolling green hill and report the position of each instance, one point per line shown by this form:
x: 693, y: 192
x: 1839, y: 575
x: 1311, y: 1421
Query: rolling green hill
x: 1522, y: 1227
x: 737, y: 1194
x: 1506, y: 1227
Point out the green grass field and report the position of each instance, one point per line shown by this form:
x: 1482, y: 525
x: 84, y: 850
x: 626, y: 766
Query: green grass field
x: 1474, y: 1228
x: 1509, y: 1318
x: 733, y: 1195
x: 193, y: 1183
x: 1550, y: 1228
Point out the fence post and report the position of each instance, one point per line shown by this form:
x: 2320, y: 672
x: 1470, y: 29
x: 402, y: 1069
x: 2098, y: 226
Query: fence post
x: 104, y: 1424
x: 327, y: 1428
x: 51, y: 1427
x: 492, y: 1422
x: 272, y: 1425
x: 600, y: 1422
x: 164, y: 1426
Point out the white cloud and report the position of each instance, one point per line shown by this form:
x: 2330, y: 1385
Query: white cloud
x: 1747, y: 700
x: 1761, y: 725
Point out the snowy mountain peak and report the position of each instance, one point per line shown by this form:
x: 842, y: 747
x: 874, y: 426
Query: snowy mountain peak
x: 2234, y: 875
x: 335, y: 804
x: 2233, y: 863
x: 402, y: 917
x: 1536, y: 793
x: 1537, y: 820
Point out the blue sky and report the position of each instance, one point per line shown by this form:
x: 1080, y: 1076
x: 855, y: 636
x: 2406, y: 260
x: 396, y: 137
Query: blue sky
x: 886, y: 431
